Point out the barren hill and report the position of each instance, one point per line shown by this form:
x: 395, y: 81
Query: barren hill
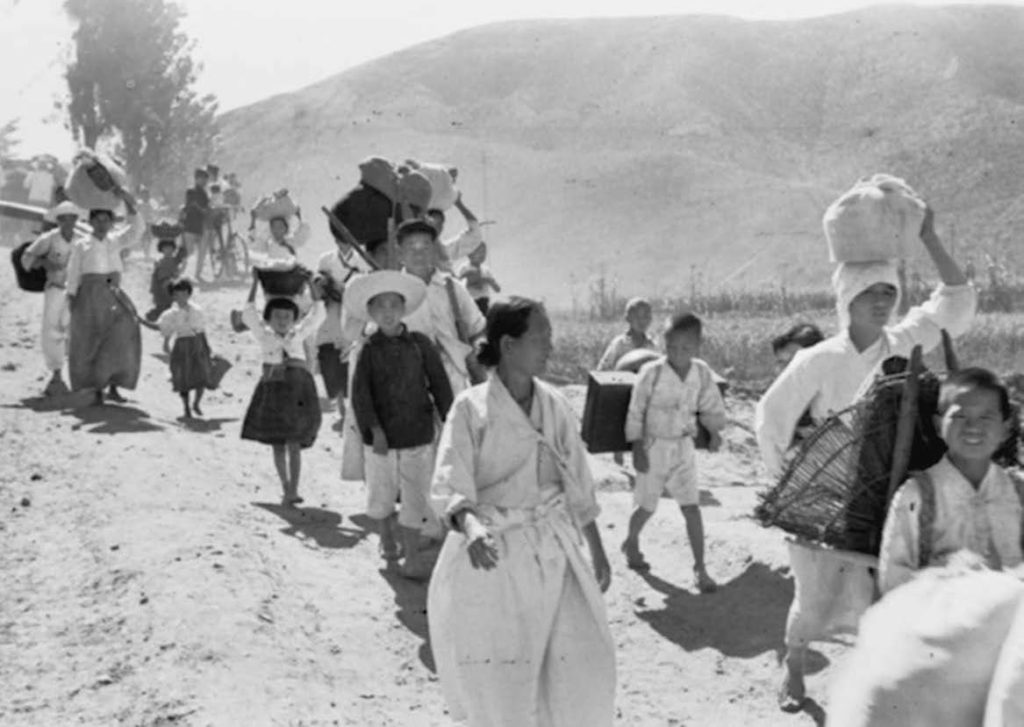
x: 655, y: 149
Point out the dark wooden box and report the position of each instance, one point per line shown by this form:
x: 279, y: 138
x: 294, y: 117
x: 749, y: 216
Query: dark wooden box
x: 604, y: 415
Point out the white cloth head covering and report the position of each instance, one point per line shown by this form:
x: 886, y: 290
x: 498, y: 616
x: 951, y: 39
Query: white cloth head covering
x: 851, y: 279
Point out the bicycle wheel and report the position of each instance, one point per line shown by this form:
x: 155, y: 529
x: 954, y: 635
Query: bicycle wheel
x: 217, y: 254
x: 241, y: 248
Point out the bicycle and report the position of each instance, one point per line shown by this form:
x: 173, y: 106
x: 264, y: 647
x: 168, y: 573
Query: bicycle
x: 228, y: 251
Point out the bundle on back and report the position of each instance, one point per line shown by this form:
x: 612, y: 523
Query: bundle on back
x: 836, y: 488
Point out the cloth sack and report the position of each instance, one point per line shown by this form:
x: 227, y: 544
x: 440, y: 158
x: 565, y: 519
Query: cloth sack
x: 34, y: 280
x: 928, y: 652
x: 278, y: 204
x: 365, y: 212
x: 92, y: 180
x: 443, y: 191
x: 878, y: 219
x: 379, y: 174
x: 414, y: 189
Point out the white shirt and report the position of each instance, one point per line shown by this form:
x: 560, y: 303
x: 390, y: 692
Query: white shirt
x: 39, y: 184
x: 829, y: 376
x: 668, y: 409
x: 181, y: 322
x: 436, y: 320
x: 338, y: 327
x: 986, y: 521
x: 54, y: 248
x: 275, y: 347
x: 93, y: 255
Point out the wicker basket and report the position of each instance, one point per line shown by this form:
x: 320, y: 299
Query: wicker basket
x: 837, y: 486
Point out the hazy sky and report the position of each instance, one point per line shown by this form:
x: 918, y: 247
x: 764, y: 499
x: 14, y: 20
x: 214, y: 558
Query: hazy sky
x: 254, y: 48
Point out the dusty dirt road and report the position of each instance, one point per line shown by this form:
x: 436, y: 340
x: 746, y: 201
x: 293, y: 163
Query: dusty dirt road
x: 150, y: 578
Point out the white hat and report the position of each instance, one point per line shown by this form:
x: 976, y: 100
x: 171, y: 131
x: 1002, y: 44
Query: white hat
x: 64, y: 208
x: 361, y: 290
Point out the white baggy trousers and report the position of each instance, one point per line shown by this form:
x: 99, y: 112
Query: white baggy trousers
x: 56, y: 318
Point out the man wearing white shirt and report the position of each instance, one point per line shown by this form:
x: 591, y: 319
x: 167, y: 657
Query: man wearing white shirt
x: 105, y: 345
x: 51, y: 251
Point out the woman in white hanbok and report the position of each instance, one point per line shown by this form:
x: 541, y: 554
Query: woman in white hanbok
x: 517, y: 621
x: 833, y: 588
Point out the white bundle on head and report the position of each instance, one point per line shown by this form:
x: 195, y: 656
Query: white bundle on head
x: 878, y: 219
x: 851, y: 279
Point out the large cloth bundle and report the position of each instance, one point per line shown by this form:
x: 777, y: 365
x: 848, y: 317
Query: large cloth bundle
x: 379, y: 174
x: 277, y: 204
x: 940, y: 651
x: 34, y: 280
x: 835, y: 489
x: 93, y: 181
x: 365, y: 211
x: 878, y: 219
x: 443, y: 191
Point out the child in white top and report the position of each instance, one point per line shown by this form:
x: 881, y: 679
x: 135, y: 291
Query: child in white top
x: 638, y: 317
x: 966, y: 501
x: 670, y: 395
x: 285, y: 409
x: 190, y: 354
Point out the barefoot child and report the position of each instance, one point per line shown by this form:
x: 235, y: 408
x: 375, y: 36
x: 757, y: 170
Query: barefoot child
x: 285, y: 410
x: 190, y: 356
x: 638, y: 316
x: 399, y: 384
x: 966, y: 501
x: 167, y: 269
x: 669, y: 397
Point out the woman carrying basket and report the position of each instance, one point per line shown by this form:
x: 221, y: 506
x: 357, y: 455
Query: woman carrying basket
x: 831, y: 589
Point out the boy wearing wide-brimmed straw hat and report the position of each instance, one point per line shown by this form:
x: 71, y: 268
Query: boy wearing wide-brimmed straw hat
x: 51, y: 250
x: 400, y: 387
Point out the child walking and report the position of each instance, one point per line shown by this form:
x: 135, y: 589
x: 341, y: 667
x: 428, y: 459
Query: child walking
x: 285, y: 410
x: 190, y: 355
x: 670, y: 396
x: 167, y: 268
x: 638, y: 317
x: 399, y: 386
x: 965, y: 501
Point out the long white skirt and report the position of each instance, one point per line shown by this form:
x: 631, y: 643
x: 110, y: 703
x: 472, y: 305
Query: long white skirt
x: 525, y: 644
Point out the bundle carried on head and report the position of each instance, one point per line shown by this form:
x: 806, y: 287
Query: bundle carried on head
x: 93, y: 181
x: 836, y: 488
x: 283, y: 277
x: 276, y: 204
x: 165, y: 230
x: 878, y: 219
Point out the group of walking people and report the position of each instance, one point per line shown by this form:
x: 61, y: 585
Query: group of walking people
x: 494, y: 466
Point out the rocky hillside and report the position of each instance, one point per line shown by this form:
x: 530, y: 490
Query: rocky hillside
x: 650, y: 150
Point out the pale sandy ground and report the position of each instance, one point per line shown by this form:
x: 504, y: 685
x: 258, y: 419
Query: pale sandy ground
x: 149, y: 577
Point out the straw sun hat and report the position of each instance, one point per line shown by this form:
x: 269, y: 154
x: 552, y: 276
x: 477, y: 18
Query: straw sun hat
x: 361, y: 290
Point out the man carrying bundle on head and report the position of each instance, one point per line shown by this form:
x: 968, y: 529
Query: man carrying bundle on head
x: 865, y: 229
x: 51, y: 251
x: 106, y: 341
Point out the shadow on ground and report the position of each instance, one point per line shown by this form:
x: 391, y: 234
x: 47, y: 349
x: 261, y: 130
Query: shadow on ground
x: 744, y: 618
x: 323, y: 527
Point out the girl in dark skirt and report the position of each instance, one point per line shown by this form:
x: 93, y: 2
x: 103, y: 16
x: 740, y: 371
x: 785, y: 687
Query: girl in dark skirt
x: 190, y: 355
x: 285, y: 408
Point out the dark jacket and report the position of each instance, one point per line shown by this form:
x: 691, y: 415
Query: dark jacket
x: 399, y: 382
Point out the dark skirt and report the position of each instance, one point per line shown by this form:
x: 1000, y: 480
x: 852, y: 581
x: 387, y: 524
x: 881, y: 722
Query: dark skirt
x: 284, y: 408
x: 105, y: 341
x: 333, y: 370
x: 190, y: 364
